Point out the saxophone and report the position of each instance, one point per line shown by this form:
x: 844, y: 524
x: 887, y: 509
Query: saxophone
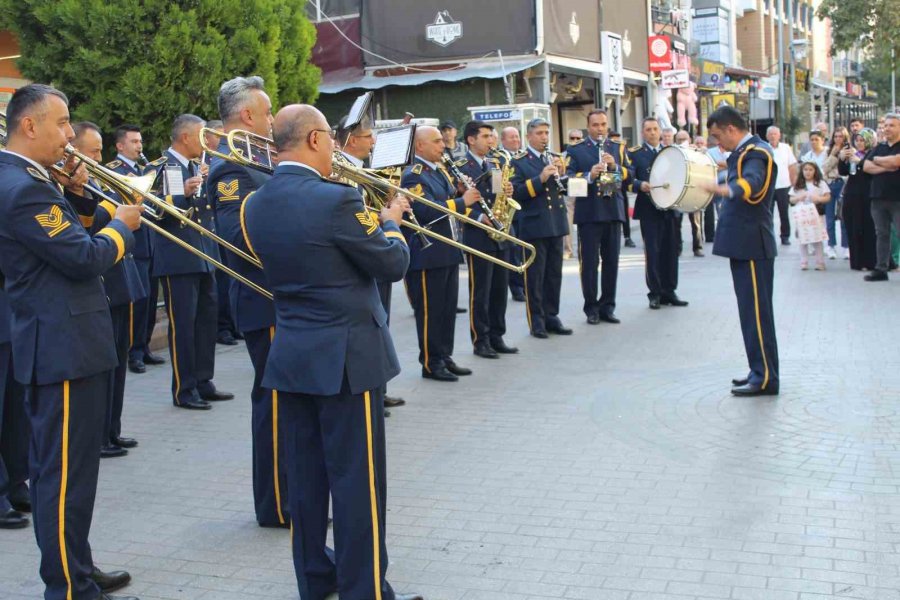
x: 504, y: 207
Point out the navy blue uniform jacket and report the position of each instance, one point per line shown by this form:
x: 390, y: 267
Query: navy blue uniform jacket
x: 435, y: 185
x: 745, y: 229
x: 61, y: 326
x: 322, y: 252
x: 642, y: 159
x: 228, y: 186
x: 543, y: 213
x: 143, y: 248
x: 475, y: 237
x: 594, y: 208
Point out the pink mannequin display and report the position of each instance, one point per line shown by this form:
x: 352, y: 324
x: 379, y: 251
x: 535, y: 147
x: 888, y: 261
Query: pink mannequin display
x: 686, y: 101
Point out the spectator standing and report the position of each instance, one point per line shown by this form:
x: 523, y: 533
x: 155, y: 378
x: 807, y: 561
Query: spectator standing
x: 810, y: 188
x: 857, y: 205
x: 787, y: 174
x: 840, y: 140
x: 883, y: 163
x: 575, y: 136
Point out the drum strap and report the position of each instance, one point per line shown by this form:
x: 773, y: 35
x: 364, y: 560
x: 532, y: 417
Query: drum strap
x: 757, y: 198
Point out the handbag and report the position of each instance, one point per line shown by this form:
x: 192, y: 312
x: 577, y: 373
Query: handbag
x: 807, y: 223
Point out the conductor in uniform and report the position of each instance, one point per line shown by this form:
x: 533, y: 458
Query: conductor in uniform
x: 659, y: 228
x: 746, y: 235
x: 189, y: 283
x: 487, y: 281
x: 322, y: 252
x: 62, y: 334
x: 244, y: 104
x: 543, y: 223
x: 432, y: 281
x: 599, y: 216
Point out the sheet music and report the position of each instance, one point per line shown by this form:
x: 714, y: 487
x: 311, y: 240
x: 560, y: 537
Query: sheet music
x: 174, y: 182
x: 393, y: 147
x: 359, y: 111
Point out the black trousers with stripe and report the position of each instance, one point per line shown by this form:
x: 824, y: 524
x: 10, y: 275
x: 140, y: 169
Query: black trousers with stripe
x: 336, y: 445
x: 384, y: 293
x: 121, y: 319
x: 433, y: 294
x: 14, y: 433
x: 543, y: 281
x: 67, y: 421
x: 270, y: 497
x: 192, y: 309
x: 596, y: 242
x: 753, y: 285
x: 487, y: 298
x: 141, y: 313
x: 660, y: 237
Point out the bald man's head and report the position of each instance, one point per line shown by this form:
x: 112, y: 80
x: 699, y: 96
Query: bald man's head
x: 429, y: 143
x: 302, y: 134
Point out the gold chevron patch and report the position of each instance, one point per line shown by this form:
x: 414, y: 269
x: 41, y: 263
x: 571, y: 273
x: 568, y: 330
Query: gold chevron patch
x: 368, y: 220
x: 228, y: 190
x: 54, y: 221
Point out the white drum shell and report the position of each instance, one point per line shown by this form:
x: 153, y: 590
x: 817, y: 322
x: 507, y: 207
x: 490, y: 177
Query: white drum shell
x: 676, y: 177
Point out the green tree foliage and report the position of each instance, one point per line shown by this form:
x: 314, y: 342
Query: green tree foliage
x: 878, y: 75
x: 870, y: 24
x: 146, y: 61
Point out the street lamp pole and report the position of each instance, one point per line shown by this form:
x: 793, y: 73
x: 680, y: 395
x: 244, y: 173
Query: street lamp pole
x: 782, y: 115
x: 790, y: 21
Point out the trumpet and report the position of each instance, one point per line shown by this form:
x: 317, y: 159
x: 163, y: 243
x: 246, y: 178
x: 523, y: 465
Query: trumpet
x: 242, y: 143
x: 131, y: 191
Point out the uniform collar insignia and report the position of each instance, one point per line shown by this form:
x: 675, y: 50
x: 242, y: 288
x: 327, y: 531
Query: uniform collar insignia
x: 417, y: 168
x: 38, y: 175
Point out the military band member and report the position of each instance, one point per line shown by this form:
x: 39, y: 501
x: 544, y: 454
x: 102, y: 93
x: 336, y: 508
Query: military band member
x: 13, y: 432
x: 130, y: 161
x: 356, y: 145
x: 543, y: 223
x: 62, y: 335
x: 331, y: 354
x: 511, y: 143
x: 487, y: 281
x: 746, y: 235
x: 188, y: 281
x: 599, y: 216
x: 123, y: 289
x: 659, y: 228
x: 244, y: 104
x: 432, y: 281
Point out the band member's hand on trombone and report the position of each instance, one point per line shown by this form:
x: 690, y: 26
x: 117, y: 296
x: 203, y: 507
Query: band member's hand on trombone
x: 73, y: 175
x: 395, y: 209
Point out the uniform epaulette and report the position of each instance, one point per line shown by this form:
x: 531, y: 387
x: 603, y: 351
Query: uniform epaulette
x: 635, y: 148
x: 581, y: 141
x: 461, y: 162
x: 158, y: 162
x: 38, y: 175
x: 339, y: 182
x: 417, y: 168
x: 519, y: 154
x: 113, y: 164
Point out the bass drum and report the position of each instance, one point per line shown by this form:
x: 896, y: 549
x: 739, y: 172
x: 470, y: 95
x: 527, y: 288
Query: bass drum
x: 676, y: 176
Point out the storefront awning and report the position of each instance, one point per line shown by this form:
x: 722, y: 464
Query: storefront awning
x: 827, y: 86
x: 374, y: 79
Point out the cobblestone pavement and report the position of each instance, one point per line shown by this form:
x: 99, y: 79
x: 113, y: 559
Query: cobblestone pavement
x: 610, y: 465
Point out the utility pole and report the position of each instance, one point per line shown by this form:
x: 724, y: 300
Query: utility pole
x: 790, y: 21
x: 782, y: 114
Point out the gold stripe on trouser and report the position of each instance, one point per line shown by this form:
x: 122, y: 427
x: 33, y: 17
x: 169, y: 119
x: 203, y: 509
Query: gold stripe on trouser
x: 472, y: 299
x: 172, y: 343
x: 425, y: 321
x: 762, y: 347
x: 63, y: 484
x: 275, y: 442
x: 527, y: 297
x: 373, y: 500
x: 130, y: 324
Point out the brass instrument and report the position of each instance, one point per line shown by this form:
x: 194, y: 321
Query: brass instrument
x: 504, y: 207
x: 238, y: 140
x: 609, y: 182
x: 131, y: 191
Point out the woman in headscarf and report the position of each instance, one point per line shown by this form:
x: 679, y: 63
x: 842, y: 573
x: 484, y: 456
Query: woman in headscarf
x: 856, y: 212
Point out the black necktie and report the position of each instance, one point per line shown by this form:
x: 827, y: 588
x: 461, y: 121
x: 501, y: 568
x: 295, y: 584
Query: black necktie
x: 191, y: 169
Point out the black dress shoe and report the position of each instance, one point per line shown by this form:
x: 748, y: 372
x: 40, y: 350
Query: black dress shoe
x: 112, y: 581
x: 137, y: 366
x: 593, y: 319
x: 110, y: 451
x: 500, y: 346
x: 391, y: 401
x: 23, y: 505
x: 456, y: 369
x: 485, y: 351
x: 103, y: 596
x: 460, y: 310
x: 194, y: 405
x: 518, y: 296
x: 152, y: 359
x: 387, y: 413
x: 123, y: 442
x: 13, y: 519
x: 673, y: 300
x: 785, y: 241
x: 217, y: 396
x: 441, y: 374
x: 754, y: 389
x: 654, y: 303
x: 408, y: 597
x: 876, y: 275
x: 559, y: 329
x: 540, y: 334
x: 740, y: 382
x: 629, y: 243
x: 226, y: 339
x: 610, y: 318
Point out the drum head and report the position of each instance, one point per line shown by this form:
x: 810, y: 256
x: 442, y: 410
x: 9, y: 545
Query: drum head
x: 667, y: 177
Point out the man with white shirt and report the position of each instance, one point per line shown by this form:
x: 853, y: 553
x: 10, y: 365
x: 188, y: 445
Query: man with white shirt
x: 787, y: 172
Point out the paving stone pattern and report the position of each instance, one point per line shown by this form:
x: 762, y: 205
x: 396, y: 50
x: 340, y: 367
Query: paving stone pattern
x: 610, y: 465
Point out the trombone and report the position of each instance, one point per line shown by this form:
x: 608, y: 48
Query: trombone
x: 241, y: 146
x: 130, y: 191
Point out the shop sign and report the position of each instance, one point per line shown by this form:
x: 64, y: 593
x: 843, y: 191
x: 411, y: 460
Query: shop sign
x: 444, y: 31
x: 712, y: 74
x: 496, y: 115
x: 660, y: 52
x: 768, y: 88
x: 613, y: 67
x: 673, y: 80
